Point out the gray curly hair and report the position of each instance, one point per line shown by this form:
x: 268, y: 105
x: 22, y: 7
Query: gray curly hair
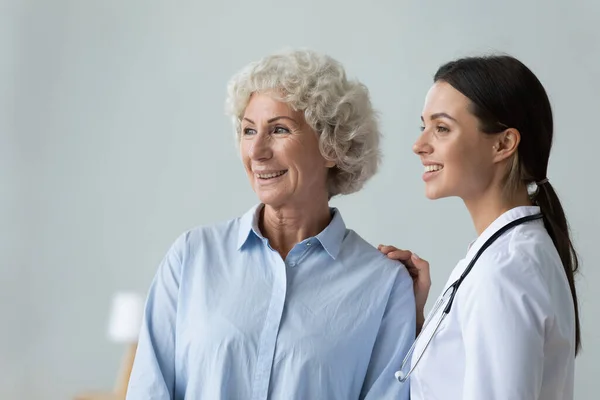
x: 339, y: 110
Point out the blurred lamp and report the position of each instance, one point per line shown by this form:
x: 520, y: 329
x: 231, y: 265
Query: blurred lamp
x: 125, y: 320
x: 126, y: 316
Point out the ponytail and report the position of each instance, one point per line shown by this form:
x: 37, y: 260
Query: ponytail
x: 557, y: 226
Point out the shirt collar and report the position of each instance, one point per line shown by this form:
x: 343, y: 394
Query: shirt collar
x: 330, y: 238
x: 248, y: 225
x: 505, y: 218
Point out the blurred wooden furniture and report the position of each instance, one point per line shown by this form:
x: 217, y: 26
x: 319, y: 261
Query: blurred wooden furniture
x: 120, y: 390
x: 124, y: 325
x: 98, y: 396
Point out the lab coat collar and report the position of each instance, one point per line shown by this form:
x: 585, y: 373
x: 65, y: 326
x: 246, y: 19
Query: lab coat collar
x: 502, y: 220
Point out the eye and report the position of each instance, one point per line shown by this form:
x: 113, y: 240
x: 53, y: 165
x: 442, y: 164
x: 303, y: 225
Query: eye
x: 421, y: 128
x: 249, y: 131
x: 441, y: 129
x: 280, y: 129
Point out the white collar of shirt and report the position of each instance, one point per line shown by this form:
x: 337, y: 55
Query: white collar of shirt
x: 331, y: 237
x: 505, y: 218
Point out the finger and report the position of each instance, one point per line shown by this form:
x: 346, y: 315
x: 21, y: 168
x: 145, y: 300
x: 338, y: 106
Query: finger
x: 422, y: 266
x: 413, y: 272
x: 385, y: 249
x: 400, y: 255
x: 419, y: 262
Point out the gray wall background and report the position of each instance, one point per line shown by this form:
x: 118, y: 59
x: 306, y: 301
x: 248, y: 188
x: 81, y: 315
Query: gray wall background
x: 113, y: 141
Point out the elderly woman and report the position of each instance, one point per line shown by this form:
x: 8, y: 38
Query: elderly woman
x: 284, y: 302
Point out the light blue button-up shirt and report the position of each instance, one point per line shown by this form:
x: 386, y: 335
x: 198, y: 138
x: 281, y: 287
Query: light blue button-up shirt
x: 227, y: 318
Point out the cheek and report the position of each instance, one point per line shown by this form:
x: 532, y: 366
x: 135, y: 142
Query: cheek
x: 244, y: 148
x: 299, y: 156
x: 313, y: 162
x: 470, y: 167
x: 456, y: 156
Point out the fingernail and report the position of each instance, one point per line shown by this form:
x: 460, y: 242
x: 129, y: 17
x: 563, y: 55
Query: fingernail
x: 415, y: 256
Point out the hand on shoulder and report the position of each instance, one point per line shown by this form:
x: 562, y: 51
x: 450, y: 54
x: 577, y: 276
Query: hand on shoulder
x: 418, y: 269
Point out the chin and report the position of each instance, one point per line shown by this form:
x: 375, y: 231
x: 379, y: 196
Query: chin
x: 434, y: 194
x: 271, y: 200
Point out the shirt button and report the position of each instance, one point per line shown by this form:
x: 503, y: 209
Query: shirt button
x: 308, y: 244
x: 292, y: 264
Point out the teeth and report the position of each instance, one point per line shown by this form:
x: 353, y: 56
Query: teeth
x: 431, y: 168
x: 269, y: 176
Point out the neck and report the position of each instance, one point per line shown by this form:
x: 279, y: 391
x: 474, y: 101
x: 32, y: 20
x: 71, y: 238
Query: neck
x: 287, y: 226
x: 486, y: 208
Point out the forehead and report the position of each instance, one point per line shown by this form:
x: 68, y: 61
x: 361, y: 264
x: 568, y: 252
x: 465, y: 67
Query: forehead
x: 265, y: 105
x: 442, y: 97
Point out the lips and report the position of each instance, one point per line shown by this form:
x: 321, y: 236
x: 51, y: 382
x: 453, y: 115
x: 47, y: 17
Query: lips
x: 431, y: 170
x: 433, y: 167
x: 270, y: 174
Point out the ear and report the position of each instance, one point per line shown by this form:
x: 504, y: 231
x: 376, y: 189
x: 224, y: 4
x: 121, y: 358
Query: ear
x: 329, y: 164
x: 506, y: 144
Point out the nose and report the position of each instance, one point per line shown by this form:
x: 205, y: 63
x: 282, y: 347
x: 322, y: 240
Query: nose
x: 260, y: 149
x: 422, y: 145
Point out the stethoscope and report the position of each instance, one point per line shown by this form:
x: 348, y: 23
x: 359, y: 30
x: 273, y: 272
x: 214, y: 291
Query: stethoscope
x: 450, y: 293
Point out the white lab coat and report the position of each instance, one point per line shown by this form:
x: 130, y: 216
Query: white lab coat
x: 510, y: 334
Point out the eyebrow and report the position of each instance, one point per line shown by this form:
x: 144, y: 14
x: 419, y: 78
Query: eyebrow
x: 440, y: 115
x: 273, y: 119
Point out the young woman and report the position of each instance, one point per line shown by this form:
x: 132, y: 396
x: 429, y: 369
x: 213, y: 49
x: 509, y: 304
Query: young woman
x: 506, y: 325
